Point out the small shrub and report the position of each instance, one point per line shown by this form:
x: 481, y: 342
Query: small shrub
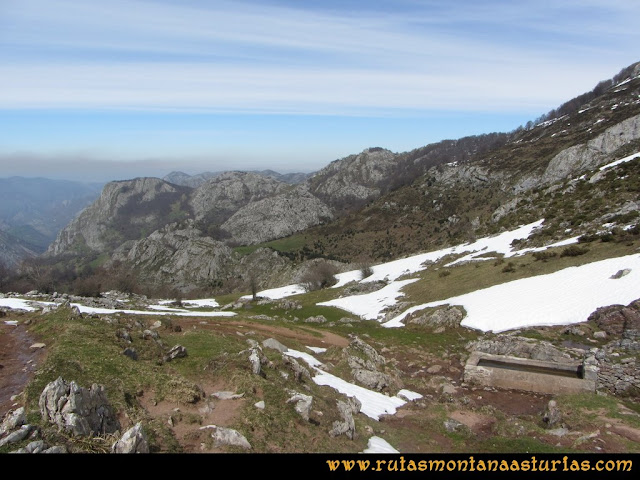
x: 544, y: 255
x: 320, y: 276
x: 573, y: 251
x: 366, y: 271
x: 509, y: 267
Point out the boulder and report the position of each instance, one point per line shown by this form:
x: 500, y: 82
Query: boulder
x: 134, y: 440
x: 229, y: 436
x: 83, y: 412
x: 451, y: 425
x: 12, y: 420
x: 131, y: 353
x: 616, y: 319
x: 275, y: 344
x: 448, y: 317
x: 300, y: 373
x: 34, y: 447
x: 552, y: 415
x: 254, y: 360
x: 302, y: 404
x: 347, y: 425
x: 177, y: 351
x: 17, y: 435
x: 372, y: 379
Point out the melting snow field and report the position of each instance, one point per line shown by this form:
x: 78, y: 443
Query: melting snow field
x: 20, y: 304
x: 369, y: 305
x: 155, y: 311
x: 17, y: 304
x: 379, y: 445
x: 374, y: 404
x: 561, y: 298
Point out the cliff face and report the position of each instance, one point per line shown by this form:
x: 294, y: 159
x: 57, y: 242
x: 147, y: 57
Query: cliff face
x: 277, y: 217
x: 219, y: 198
x: 123, y: 211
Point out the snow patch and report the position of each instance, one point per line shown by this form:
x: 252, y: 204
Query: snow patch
x: 622, y: 160
x: 379, y: 445
x: 561, y: 298
x: 374, y: 404
x: 370, y: 305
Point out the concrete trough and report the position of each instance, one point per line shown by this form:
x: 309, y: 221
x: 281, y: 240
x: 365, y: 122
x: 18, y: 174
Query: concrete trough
x: 502, y: 371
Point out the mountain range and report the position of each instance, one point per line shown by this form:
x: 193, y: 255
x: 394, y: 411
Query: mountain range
x: 223, y: 230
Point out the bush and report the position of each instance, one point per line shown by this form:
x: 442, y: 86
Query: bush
x: 544, y: 255
x: 87, y: 287
x: 322, y: 275
x: 573, y: 251
x: 366, y: 271
x: 509, y: 267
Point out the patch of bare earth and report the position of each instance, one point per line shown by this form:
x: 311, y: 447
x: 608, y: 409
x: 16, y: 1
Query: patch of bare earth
x: 186, y: 421
x: 306, y: 335
x: 18, y: 362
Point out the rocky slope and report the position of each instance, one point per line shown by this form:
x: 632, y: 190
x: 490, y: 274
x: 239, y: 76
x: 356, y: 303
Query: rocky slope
x: 371, y: 206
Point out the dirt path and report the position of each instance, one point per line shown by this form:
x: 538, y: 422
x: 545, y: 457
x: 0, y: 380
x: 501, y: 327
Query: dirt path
x: 307, y: 335
x: 17, y: 362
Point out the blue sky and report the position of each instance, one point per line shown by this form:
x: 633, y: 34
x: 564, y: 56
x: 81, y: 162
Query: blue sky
x: 107, y: 90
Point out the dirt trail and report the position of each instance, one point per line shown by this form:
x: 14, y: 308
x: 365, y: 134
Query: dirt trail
x: 17, y: 362
x: 307, y: 335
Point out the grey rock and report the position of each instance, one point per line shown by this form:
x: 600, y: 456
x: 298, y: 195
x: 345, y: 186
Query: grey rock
x: 451, y: 425
x: 300, y: 373
x: 134, y: 440
x: 37, y: 446
x: 372, y: 379
x: 347, y: 425
x: 150, y: 334
x: 316, y: 319
x: 449, y: 317
x: 275, y: 344
x: 552, y: 415
x: 257, y: 359
x: 259, y: 405
x: 131, y: 353
x: 124, y: 335
x: 12, y: 420
x: 229, y: 436
x: 226, y: 395
x: 82, y: 412
x: 56, y: 449
x: 621, y: 273
x: 177, y: 351
x: 302, y: 404
x: 17, y: 435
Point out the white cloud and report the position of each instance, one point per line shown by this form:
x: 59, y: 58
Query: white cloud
x: 256, y: 57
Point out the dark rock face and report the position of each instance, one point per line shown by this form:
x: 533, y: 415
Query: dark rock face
x: 616, y: 319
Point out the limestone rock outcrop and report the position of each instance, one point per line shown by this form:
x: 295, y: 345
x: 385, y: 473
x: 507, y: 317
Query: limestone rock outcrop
x: 83, y: 412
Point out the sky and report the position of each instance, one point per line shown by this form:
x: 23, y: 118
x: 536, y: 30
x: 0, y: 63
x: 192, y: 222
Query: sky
x: 97, y: 91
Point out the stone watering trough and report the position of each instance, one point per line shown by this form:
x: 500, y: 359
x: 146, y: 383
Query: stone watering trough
x: 502, y: 371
